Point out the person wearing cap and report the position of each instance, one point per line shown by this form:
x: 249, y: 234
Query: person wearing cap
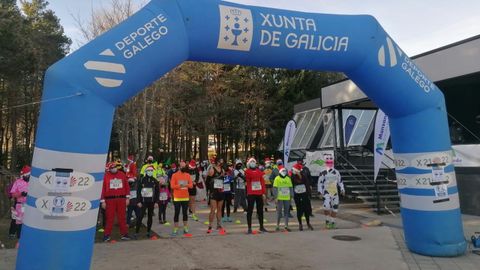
x: 19, y: 192
x: 164, y: 199
x: 192, y: 192
x: 115, y: 199
x: 148, y: 162
x: 328, y: 183
x: 240, y: 197
x: 308, y: 175
x: 283, y: 190
x: 180, y: 183
x: 160, y: 170
x: 302, y: 190
x: 147, y: 196
x: 228, y: 191
x: 131, y: 172
x: 255, y: 193
x: 268, y: 171
x: 215, y: 186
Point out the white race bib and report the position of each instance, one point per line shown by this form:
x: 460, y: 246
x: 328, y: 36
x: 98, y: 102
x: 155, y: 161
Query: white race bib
x: 256, y: 185
x: 300, y: 189
x: 218, y: 183
x: 133, y: 194
x: 147, y: 192
x: 285, y: 191
x: 332, y: 188
x: 116, y: 184
x: 183, y: 183
x: 163, y: 196
x: 226, y: 187
x: 241, y: 184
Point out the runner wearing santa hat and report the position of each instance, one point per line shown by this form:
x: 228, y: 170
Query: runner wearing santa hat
x: 255, y: 193
x: 131, y: 172
x: 115, y: 198
x: 302, y: 190
x: 195, y: 176
x: 283, y: 190
x: 19, y: 192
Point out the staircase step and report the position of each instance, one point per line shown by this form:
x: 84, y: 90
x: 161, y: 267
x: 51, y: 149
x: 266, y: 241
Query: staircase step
x: 353, y: 187
x: 374, y: 191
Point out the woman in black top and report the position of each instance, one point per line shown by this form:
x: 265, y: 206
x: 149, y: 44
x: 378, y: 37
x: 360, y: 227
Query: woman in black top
x: 147, y: 196
x: 302, y: 190
x: 216, y: 196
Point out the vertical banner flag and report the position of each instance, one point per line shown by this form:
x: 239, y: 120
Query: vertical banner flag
x: 382, y: 134
x: 287, y: 141
x: 349, y: 126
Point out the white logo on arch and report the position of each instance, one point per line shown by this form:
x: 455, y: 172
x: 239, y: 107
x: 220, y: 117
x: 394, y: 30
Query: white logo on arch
x: 390, y: 48
x: 236, y: 28
x: 106, y: 67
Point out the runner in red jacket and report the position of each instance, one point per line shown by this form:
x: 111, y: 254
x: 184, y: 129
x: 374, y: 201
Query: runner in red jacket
x: 115, y: 198
x: 255, y: 193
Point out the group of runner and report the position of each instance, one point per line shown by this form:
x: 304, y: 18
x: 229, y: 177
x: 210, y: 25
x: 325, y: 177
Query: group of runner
x: 127, y: 191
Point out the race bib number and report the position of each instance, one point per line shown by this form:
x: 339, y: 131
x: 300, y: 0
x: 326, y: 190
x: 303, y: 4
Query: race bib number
x: 218, y: 183
x: 285, y: 191
x: 332, y: 188
x: 133, y: 194
x: 241, y: 185
x: 183, y: 183
x: 300, y: 189
x: 256, y: 185
x: 147, y: 192
x: 116, y: 184
x: 226, y: 187
x: 163, y: 196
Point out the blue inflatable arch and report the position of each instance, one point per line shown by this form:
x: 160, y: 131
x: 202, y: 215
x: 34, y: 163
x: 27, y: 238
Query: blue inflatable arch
x: 73, y: 134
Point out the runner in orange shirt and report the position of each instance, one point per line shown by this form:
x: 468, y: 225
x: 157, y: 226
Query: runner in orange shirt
x: 180, y: 183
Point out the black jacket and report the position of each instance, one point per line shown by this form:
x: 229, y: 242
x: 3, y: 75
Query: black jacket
x: 148, y: 182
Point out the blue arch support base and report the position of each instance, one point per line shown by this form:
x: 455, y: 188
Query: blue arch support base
x: 74, y: 133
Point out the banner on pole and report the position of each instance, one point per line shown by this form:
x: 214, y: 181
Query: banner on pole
x: 382, y: 134
x: 287, y: 141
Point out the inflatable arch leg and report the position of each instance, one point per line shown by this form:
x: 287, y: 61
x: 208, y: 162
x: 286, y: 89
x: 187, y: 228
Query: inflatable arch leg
x: 73, y: 135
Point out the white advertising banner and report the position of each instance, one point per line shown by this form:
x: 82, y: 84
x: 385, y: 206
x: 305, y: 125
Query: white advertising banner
x: 466, y: 155
x: 290, y: 130
x: 382, y: 134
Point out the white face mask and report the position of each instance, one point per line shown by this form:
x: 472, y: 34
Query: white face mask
x: 283, y: 173
x: 149, y: 173
x: 114, y: 170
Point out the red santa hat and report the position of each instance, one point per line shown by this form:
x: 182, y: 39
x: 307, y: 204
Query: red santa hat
x: 250, y: 160
x: 150, y: 158
x: 25, y: 170
x: 150, y: 167
x: 131, y: 157
x: 297, y: 167
x: 174, y: 166
x: 110, y: 165
x: 192, y: 164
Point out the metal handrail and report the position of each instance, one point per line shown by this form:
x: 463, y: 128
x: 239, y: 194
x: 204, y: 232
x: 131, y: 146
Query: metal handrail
x: 467, y: 129
x: 337, y: 154
x: 377, y: 195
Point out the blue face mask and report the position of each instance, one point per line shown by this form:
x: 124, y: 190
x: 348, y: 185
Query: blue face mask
x: 149, y: 173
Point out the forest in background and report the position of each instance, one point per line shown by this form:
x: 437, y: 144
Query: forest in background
x: 239, y: 110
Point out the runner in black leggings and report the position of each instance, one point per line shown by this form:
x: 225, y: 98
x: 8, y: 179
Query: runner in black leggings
x: 302, y: 191
x: 255, y: 193
x: 147, y: 196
